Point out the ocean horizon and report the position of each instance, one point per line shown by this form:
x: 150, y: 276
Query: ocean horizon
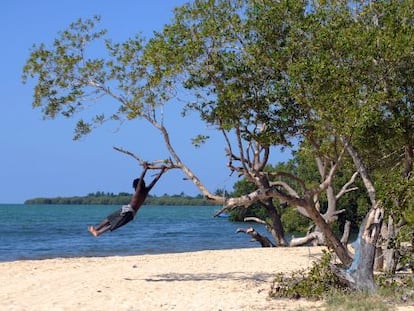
x: 31, y: 232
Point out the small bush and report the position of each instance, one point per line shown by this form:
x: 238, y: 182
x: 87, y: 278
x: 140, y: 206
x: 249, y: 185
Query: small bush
x: 312, y: 285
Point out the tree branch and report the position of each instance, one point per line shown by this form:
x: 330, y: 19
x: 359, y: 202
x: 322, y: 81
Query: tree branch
x: 255, y: 219
x: 345, y: 188
x: 156, y: 164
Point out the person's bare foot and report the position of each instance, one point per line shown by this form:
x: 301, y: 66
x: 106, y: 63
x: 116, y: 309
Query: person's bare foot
x: 92, y: 230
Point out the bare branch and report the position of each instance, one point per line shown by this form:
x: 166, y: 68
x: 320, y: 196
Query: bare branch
x: 255, y: 219
x: 345, y: 187
x: 222, y: 210
x: 179, y: 164
x: 290, y: 176
x: 262, y: 194
x: 156, y: 164
x: 243, y: 160
x: 360, y: 166
x: 328, y: 179
x: 311, y: 237
x: 140, y: 161
x: 345, y: 235
x: 107, y: 91
x: 230, y: 155
x: 265, y: 158
x: 292, y: 193
x: 286, y: 186
x: 321, y: 167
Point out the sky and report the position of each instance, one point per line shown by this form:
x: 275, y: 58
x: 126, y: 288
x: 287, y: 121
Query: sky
x: 39, y: 158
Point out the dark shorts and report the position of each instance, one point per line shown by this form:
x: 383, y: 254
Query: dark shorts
x: 117, y: 220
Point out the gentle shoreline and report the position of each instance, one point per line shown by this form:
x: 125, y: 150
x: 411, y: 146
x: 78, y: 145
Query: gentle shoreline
x: 237, y: 279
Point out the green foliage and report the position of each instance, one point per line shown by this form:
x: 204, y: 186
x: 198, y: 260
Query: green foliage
x: 294, y: 222
x: 199, y: 140
x: 215, y: 47
x: 397, y: 285
x: 398, y: 196
x: 314, y: 284
x: 70, y: 76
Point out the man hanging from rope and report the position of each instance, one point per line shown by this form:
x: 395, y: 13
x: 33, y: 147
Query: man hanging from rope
x: 127, y: 212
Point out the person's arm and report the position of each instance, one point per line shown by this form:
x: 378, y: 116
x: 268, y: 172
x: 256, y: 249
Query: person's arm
x: 139, y: 196
x: 152, y: 184
x: 141, y: 178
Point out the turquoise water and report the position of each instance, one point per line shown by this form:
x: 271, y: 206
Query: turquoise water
x: 50, y: 231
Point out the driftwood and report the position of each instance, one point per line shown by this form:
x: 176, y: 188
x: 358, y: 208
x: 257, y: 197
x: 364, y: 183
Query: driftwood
x: 269, y: 227
x: 264, y: 241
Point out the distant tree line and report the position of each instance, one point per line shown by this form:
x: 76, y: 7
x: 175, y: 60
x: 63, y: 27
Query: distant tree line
x: 108, y: 198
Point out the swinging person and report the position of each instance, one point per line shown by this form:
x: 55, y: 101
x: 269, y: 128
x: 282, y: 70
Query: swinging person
x: 127, y: 212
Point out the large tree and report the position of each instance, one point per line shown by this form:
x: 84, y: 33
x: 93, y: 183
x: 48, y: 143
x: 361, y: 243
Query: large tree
x: 234, y: 61
x: 350, y: 72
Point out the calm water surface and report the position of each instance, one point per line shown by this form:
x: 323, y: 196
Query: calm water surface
x: 50, y: 231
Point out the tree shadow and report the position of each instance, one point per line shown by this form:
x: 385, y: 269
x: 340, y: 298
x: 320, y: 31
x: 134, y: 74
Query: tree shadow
x: 185, y: 277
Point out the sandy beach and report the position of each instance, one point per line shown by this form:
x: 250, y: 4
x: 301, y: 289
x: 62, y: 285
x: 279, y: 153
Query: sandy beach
x: 206, y: 280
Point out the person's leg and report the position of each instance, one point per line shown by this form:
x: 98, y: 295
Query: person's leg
x: 121, y: 220
x: 112, y: 222
x: 104, y: 226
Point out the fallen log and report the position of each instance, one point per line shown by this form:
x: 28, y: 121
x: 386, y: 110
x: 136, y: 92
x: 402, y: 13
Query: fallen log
x: 264, y: 241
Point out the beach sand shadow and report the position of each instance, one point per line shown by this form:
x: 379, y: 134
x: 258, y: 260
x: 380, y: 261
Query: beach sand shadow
x: 185, y: 277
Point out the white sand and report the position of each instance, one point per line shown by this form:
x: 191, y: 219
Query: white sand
x: 208, y: 280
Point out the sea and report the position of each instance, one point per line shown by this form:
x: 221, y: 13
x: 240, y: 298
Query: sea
x: 29, y: 232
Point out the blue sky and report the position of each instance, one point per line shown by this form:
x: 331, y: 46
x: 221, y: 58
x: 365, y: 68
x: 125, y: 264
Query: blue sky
x: 40, y: 159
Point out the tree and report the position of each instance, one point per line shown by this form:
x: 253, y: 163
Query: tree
x: 233, y: 90
x: 390, y: 130
x: 239, y: 78
x: 347, y: 74
x: 290, y: 70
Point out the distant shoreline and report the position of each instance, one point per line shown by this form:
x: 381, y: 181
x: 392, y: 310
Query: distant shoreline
x: 101, y: 198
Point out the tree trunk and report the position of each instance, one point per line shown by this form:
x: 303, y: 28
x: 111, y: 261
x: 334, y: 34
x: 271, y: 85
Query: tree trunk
x: 360, y: 275
x: 331, y: 240
x: 390, y: 249
x: 408, y: 160
x: 277, y: 230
